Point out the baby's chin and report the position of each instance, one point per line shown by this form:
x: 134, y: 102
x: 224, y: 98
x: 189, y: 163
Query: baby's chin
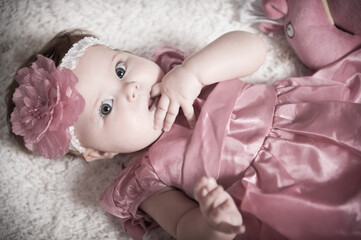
x: 150, y: 141
x: 157, y: 135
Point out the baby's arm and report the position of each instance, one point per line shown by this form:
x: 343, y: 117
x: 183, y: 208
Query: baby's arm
x: 233, y: 55
x: 215, y: 217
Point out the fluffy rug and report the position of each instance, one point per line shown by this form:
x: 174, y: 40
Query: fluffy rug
x: 58, y: 199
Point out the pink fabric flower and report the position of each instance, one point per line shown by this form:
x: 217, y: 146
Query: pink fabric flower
x: 46, y: 105
x: 167, y: 57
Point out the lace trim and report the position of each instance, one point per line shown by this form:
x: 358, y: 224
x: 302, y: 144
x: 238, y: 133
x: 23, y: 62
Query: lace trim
x: 74, y: 143
x: 70, y: 61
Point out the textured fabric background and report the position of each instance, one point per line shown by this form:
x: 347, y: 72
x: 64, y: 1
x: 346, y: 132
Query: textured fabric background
x: 58, y: 199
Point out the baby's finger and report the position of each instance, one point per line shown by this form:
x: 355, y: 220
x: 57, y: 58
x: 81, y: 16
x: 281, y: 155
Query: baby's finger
x: 231, y: 229
x: 205, y: 185
x: 171, y: 115
x: 235, y: 225
x: 198, y: 188
x: 161, y: 112
x: 211, y: 184
x: 156, y: 90
x: 213, y: 199
x: 189, y: 114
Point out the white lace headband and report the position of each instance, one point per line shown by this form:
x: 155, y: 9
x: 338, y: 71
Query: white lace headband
x: 70, y: 61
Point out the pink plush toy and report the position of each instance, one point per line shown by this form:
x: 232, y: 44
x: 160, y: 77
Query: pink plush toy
x: 320, y: 32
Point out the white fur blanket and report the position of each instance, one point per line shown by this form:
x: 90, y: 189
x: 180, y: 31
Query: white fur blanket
x: 58, y: 199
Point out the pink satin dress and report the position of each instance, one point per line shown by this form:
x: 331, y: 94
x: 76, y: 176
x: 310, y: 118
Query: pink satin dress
x: 289, y: 154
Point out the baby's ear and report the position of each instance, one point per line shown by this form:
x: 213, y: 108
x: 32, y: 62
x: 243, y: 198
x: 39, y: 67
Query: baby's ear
x: 92, y: 154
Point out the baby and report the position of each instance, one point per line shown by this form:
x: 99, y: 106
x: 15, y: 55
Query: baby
x: 254, y: 149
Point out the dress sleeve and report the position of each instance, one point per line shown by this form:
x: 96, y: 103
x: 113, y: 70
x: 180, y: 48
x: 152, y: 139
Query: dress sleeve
x: 129, y: 189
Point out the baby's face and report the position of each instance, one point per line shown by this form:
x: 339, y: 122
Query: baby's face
x: 118, y: 115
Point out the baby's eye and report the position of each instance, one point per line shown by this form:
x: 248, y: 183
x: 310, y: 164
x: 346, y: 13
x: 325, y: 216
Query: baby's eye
x: 120, y: 70
x: 106, y: 107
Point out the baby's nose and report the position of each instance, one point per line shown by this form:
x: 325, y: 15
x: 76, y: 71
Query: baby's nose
x: 132, y: 89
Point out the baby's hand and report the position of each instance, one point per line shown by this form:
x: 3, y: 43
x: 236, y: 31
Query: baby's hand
x: 179, y: 88
x: 218, y: 207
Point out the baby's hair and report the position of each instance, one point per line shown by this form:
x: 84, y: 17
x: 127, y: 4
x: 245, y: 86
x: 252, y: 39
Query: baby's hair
x: 55, y: 49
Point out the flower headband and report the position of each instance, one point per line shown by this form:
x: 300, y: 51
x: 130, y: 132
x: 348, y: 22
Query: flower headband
x: 47, y: 104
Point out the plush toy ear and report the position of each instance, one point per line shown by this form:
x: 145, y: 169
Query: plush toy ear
x: 267, y: 27
x: 273, y: 9
x: 92, y: 154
